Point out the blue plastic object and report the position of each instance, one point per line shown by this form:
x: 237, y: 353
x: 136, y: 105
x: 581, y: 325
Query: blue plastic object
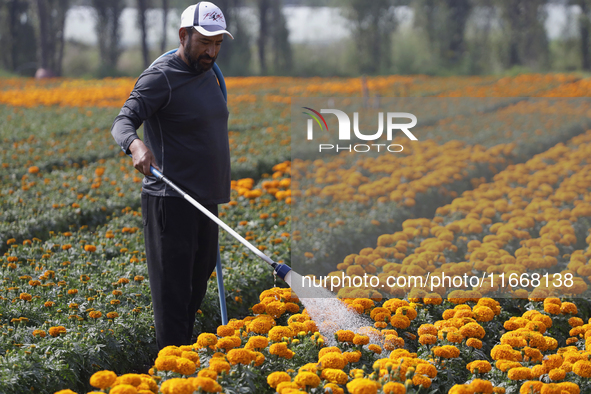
x: 158, y: 174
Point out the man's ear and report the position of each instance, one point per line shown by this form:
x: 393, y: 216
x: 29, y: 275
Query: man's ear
x: 182, y: 35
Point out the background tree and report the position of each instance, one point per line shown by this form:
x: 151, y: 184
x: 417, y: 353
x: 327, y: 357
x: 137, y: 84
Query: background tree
x: 263, y: 7
x: 142, y: 7
x: 373, y: 24
x: 444, y: 23
x: 108, y: 32
x: 235, y: 55
x: 51, y: 20
x: 584, y: 29
x: 282, y: 54
x: 523, y: 24
x: 165, y: 6
x: 20, y: 46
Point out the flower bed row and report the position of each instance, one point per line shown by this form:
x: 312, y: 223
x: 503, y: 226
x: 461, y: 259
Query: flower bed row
x: 420, y: 345
x: 79, y: 301
x: 533, y: 219
x: 348, y: 200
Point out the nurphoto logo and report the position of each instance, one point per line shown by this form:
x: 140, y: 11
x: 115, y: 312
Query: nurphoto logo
x: 345, y: 130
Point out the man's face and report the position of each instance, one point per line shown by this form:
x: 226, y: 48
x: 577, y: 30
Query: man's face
x: 202, y: 51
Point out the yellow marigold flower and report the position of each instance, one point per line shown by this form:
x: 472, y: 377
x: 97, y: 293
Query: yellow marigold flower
x: 206, y: 340
x: 334, y: 388
x: 363, y: 386
x: 479, y: 366
x: 421, y: 380
x: 277, y: 333
x: 432, y: 299
x: 165, y: 363
x: 426, y: 369
x: 360, y: 339
x: 103, y: 379
x: 257, y: 342
x: 65, y: 391
x: 407, y: 311
x: 570, y: 387
x: 275, y: 309
x: 228, y: 343
x: 132, y: 379
x: 531, y: 386
x: 552, y: 361
x: 483, y: 313
x: 568, y: 308
x: 345, y: 335
x: 427, y: 329
x: 191, y: 355
x: 498, y: 390
x: 95, y: 314
x: 552, y: 309
x: 259, y: 359
x: 352, y: 357
x: 427, y: 339
x: 280, y: 349
x: 455, y: 336
x: 328, y: 349
x: 447, y: 351
x: 394, y: 388
x: 532, y: 354
x: 277, y: 377
x: 170, y: 351
x: 307, y: 379
x: 333, y: 360
x: 225, y: 331
x: 124, y: 389
x: 260, y: 325
x: 203, y: 383
x: 520, y: 373
x: 582, y: 368
x: 475, y: 343
x: 336, y: 376
x: 207, y: 373
x: 375, y: 348
x: 241, y: 356
x: 557, y: 374
x: 185, y: 366
x: 481, y: 386
x: 400, y: 321
x: 392, y: 342
x: 287, y: 387
x: 112, y: 315
x: 90, y: 248
x: 25, y: 297
x: 55, y: 331
x: 218, y: 365
x: 472, y: 330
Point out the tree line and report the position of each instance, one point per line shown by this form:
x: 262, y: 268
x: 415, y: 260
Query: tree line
x: 456, y: 35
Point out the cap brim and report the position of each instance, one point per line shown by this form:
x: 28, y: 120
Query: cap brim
x: 210, y: 33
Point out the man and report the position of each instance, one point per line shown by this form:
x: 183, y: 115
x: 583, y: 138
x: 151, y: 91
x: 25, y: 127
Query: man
x: 186, y: 137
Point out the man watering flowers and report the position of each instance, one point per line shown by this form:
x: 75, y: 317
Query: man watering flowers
x: 185, y: 119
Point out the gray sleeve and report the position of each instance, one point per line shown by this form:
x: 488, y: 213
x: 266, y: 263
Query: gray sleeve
x: 151, y: 93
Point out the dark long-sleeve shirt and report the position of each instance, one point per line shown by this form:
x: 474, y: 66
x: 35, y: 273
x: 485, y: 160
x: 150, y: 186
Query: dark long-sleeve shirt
x: 185, y: 121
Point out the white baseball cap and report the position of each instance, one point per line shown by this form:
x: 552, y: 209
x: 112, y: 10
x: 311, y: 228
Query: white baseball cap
x: 206, y: 18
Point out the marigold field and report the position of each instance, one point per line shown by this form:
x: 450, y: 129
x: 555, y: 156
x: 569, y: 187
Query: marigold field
x: 496, y: 190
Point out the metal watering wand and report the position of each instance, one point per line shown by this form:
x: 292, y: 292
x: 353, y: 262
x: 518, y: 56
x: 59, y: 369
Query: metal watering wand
x: 281, y: 270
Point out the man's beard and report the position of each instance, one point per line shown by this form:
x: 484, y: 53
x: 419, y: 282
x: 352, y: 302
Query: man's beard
x: 194, y: 63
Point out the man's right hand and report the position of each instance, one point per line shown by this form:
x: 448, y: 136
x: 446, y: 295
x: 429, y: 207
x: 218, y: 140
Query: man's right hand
x: 143, y: 157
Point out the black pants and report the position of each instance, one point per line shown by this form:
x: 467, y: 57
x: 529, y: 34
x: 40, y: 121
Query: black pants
x: 181, y: 250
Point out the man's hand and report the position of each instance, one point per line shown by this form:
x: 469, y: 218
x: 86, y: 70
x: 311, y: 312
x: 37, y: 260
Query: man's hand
x: 142, y: 157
